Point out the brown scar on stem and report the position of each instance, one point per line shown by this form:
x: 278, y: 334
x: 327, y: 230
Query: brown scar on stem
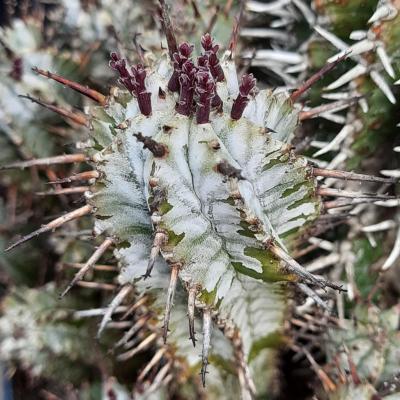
x: 228, y: 170
x: 158, y: 149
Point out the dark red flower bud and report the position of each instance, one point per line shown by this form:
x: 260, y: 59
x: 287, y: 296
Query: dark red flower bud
x: 208, y: 45
x: 179, y: 58
x: 119, y: 65
x: 211, y: 53
x: 134, y: 81
x: 246, y: 88
x: 187, y: 82
x: 143, y: 97
x: 205, y: 91
x: 17, y: 69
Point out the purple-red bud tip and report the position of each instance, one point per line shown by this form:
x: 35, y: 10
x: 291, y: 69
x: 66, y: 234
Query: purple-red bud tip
x: 208, y: 45
x: 246, y: 88
x: 247, y: 85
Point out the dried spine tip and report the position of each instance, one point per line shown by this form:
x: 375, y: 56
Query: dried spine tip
x: 160, y: 239
x: 351, y: 176
x: 92, y: 94
x: 156, y: 358
x: 180, y: 57
x: 170, y: 298
x: 294, y: 267
x: 205, y: 91
x: 82, y: 176
x: 316, y: 77
x: 64, y: 159
x: 168, y: 29
x: 80, y: 212
x: 325, y: 191
x: 228, y: 170
x: 139, y: 324
x: 207, y: 324
x: 89, y: 264
x: 78, y: 118
x: 158, y: 149
x: 187, y: 81
x: 61, y: 191
x: 246, y: 88
x: 118, y: 299
x: 191, y: 307
x: 142, y: 346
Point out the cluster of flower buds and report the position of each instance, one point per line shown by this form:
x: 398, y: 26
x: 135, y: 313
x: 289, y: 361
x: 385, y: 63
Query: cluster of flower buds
x: 196, y: 84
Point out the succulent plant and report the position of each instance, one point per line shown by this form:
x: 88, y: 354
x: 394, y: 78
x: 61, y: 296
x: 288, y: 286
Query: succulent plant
x: 194, y: 180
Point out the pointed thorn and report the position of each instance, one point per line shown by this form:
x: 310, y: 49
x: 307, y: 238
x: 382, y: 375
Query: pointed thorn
x: 316, y: 77
x: 329, y: 107
x: 156, y: 358
x: 324, y: 191
x: 118, y: 299
x: 170, y: 298
x: 64, y: 159
x: 168, y: 29
x: 236, y: 28
x: 142, y: 346
x: 78, y: 118
x: 80, y: 212
x: 351, y: 176
x: 132, y: 331
x: 191, y: 308
x: 92, y: 94
x: 159, y: 240
x: 82, y: 176
x: 294, y: 267
x: 207, y: 325
x: 62, y: 191
x: 89, y: 264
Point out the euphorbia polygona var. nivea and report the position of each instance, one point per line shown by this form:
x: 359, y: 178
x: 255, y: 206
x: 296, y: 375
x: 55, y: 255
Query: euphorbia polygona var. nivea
x: 194, y: 180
